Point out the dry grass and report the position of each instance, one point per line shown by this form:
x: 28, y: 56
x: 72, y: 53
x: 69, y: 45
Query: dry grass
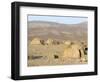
x: 47, y: 55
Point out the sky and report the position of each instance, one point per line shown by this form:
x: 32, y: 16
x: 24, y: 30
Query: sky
x: 58, y: 19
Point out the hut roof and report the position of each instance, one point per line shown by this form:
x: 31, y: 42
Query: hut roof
x: 36, y: 41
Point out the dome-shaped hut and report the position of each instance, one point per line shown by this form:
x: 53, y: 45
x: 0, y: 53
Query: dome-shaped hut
x: 36, y: 41
x: 67, y: 42
x: 73, y: 51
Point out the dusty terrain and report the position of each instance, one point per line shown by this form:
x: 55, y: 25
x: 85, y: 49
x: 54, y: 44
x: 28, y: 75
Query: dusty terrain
x: 46, y: 55
x: 53, y: 54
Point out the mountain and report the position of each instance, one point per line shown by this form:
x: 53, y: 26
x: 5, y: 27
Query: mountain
x: 57, y: 31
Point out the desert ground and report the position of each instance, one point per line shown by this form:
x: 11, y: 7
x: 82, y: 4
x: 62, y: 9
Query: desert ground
x: 48, y: 44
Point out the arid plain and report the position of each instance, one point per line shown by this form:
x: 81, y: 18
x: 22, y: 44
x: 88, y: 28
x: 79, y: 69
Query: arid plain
x: 51, y: 43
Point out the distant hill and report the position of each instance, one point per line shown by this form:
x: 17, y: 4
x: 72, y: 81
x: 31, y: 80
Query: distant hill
x: 57, y: 31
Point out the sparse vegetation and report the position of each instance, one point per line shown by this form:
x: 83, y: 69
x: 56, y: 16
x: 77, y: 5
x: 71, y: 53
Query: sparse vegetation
x: 57, y: 44
x: 53, y: 54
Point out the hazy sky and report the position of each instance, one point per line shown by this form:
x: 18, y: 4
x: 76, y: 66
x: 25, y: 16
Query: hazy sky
x: 58, y: 19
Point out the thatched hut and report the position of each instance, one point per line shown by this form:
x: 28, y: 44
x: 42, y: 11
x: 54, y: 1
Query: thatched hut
x: 67, y: 42
x: 36, y: 41
x: 73, y: 51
